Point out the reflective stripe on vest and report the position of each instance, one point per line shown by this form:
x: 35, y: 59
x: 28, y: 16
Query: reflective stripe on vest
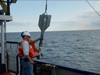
x: 31, y: 51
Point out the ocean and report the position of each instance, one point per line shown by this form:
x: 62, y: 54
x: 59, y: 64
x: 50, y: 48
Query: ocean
x: 74, y: 49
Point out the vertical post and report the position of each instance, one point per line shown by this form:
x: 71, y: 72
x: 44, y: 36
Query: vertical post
x: 2, y: 44
x: 8, y: 7
x: 5, y: 34
x: 6, y: 59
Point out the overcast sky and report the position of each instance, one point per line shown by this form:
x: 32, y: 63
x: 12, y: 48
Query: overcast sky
x: 66, y: 15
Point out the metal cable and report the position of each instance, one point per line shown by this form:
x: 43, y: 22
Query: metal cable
x: 46, y: 7
x: 92, y: 7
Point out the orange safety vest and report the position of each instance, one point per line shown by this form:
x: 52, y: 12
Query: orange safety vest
x: 31, y: 51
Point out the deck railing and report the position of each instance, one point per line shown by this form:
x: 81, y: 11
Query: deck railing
x: 12, y: 52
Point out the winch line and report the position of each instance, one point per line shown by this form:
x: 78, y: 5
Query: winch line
x: 92, y: 7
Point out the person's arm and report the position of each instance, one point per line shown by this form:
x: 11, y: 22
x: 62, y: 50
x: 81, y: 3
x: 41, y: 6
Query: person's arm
x: 33, y: 41
x: 36, y: 49
x: 31, y: 61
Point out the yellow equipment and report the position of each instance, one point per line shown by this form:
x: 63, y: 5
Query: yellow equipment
x: 4, y: 6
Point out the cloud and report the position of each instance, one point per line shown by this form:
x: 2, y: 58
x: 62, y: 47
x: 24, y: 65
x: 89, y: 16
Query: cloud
x: 22, y: 22
x: 98, y: 4
x: 85, y: 21
x: 22, y: 25
x: 89, y: 19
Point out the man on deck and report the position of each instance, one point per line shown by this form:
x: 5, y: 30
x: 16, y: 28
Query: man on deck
x: 27, y: 53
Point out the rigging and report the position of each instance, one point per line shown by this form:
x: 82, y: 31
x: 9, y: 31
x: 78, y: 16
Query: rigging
x: 92, y: 7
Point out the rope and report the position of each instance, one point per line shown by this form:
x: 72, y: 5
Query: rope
x: 93, y: 8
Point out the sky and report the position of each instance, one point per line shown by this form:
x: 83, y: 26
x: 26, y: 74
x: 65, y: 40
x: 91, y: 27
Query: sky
x: 67, y: 15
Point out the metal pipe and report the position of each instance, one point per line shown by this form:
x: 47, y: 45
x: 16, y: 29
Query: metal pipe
x: 6, y: 55
x: 2, y: 44
x: 5, y: 35
x: 8, y: 7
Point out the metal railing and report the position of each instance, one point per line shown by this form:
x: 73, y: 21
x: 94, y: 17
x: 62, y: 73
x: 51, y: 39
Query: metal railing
x: 12, y: 52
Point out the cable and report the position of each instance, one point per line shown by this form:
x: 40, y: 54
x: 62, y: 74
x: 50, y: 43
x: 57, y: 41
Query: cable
x: 46, y: 7
x: 92, y: 7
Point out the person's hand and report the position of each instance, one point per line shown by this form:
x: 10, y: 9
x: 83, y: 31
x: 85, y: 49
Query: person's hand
x: 39, y: 48
x: 38, y: 54
x: 32, y: 62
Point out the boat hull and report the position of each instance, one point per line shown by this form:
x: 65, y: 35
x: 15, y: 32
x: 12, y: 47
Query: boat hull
x: 42, y: 68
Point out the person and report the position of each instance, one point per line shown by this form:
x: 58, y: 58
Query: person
x: 27, y: 53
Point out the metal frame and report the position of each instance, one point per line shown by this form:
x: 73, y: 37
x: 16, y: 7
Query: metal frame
x: 3, y: 20
x: 2, y: 44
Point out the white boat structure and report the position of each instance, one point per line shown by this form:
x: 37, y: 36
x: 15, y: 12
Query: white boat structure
x: 40, y: 68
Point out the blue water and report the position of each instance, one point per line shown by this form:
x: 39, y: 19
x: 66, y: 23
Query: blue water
x: 75, y: 49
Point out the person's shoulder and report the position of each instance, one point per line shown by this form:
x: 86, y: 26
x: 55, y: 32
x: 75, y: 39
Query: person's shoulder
x: 25, y: 42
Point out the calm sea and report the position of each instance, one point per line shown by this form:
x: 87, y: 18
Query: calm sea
x: 75, y: 49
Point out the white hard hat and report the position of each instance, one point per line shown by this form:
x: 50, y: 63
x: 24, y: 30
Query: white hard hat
x: 26, y: 33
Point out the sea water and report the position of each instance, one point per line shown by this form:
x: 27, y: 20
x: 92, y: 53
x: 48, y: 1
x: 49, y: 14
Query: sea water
x: 75, y: 49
